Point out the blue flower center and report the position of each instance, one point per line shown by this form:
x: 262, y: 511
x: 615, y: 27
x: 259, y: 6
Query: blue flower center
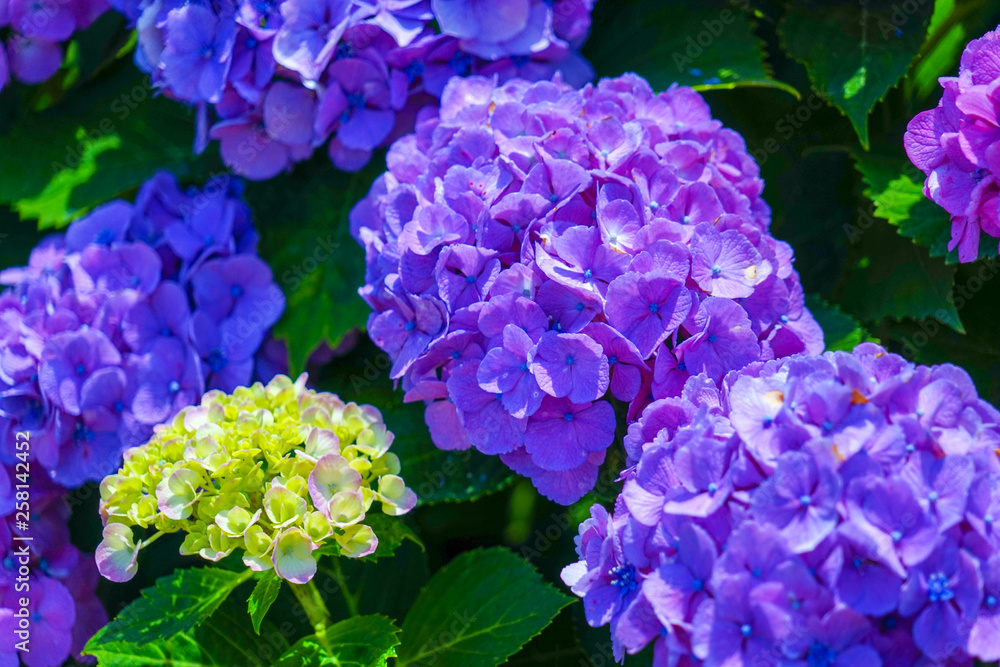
x: 978, y: 174
x: 746, y: 630
x: 588, y: 274
x: 553, y: 198
x: 716, y: 270
x: 767, y: 422
x: 612, y: 360
x: 166, y: 332
x: 524, y: 366
x: 104, y: 237
x: 896, y: 535
x: 579, y: 307
x: 820, y: 655
x: 410, y: 326
x: 686, y: 219
x: 83, y: 434
x: 217, y: 361
x: 653, y: 205
x: 697, y: 584
x: 568, y: 416
x: 414, y: 70
x: 470, y: 279
x: 174, y: 386
x: 938, y: 589
x: 570, y: 361
x: 461, y: 63
x: 9, y: 563
x: 356, y: 100
x: 890, y: 622
x: 805, y: 500
x: 520, y: 61
x: 345, y: 50
x: 857, y: 563
x: 236, y: 291
x: 991, y: 601
x: 251, y: 42
x: 712, y: 338
x: 756, y: 573
x: 623, y: 577
x: 36, y: 617
x: 456, y: 354
x: 827, y: 426
x: 784, y: 319
x: 932, y: 496
x: 208, y: 241
x: 681, y: 366
x: 653, y: 308
x: 712, y: 488
x: 988, y: 519
x: 119, y: 406
x: 206, y: 51
x: 80, y: 369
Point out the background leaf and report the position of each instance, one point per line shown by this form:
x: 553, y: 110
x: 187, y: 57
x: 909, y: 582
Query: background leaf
x: 478, y: 610
x: 106, y: 139
x: 263, y: 596
x: 895, y: 186
x: 305, y: 237
x: 707, y: 44
x: 177, y: 603
x: 362, y: 641
x: 223, y: 639
x: 855, y: 52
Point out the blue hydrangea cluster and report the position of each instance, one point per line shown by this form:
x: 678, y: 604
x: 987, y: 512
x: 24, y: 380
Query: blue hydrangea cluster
x: 833, y: 510
x: 285, y: 77
x: 36, y: 31
x: 126, y: 318
x: 63, y: 608
x: 535, y: 250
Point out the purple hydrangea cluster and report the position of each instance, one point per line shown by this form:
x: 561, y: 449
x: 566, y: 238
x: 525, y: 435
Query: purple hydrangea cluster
x: 956, y: 145
x: 37, y: 31
x: 125, y: 319
x: 58, y: 581
x: 833, y: 510
x: 536, y: 250
x: 286, y: 76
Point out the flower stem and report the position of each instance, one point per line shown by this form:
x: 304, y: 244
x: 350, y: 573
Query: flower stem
x: 350, y: 599
x: 312, y: 603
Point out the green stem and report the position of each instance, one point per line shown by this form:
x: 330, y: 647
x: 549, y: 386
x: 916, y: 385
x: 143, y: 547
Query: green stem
x: 312, y: 603
x: 350, y: 599
x: 152, y: 538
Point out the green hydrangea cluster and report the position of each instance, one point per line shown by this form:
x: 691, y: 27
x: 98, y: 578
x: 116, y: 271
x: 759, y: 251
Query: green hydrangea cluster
x: 275, y: 470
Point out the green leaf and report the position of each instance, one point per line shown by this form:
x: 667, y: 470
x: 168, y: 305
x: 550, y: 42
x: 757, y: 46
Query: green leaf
x: 854, y: 53
x: 841, y: 331
x: 362, y: 641
x: 890, y: 277
x: 108, y: 137
x: 263, y: 596
x: 176, y: 603
x: 223, y: 639
x: 952, y: 26
x: 434, y: 474
x: 703, y: 44
x: 895, y: 186
x: 478, y: 610
x: 306, y: 239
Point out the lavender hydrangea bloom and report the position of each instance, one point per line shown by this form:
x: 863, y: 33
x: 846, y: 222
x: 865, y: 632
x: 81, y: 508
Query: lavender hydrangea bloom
x: 99, y: 335
x: 285, y: 77
x: 954, y: 144
x: 808, y: 511
x: 36, y: 33
x: 534, y: 251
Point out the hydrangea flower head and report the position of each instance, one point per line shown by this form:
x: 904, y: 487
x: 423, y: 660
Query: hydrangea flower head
x: 126, y: 318
x: 36, y: 34
x: 535, y: 251
x: 830, y: 510
x: 955, y: 145
x: 275, y: 471
x: 286, y: 77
